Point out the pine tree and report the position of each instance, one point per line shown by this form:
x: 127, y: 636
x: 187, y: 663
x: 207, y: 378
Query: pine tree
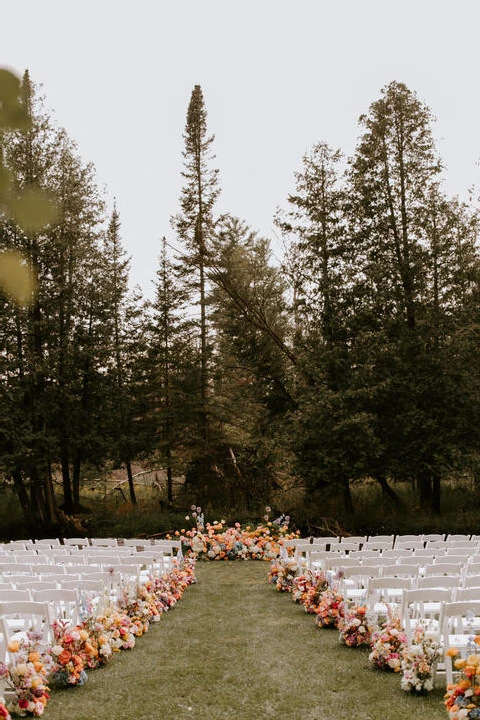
x: 172, y: 358
x: 252, y: 383
x: 402, y: 230
x: 128, y: 416
x: 194, y: 226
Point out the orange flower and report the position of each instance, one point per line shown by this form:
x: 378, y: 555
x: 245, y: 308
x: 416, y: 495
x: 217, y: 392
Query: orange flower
x: 64, y: 657
x: 33, y: 657
x: 451, y: 652
x: 14, y: 646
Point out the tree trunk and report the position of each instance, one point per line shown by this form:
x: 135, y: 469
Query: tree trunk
x: 67, y: 487
x: 389, y: 492
x: 50, y: 502
x: 77, y: 463
x: 131, y: 486
x: 347, y: 498
x: 436, y: 493
x: 424, y: 484
x: 22, y: 494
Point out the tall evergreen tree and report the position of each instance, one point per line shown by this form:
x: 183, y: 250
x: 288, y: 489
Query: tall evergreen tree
x: 402, y: 242
x: 252, y: 383
x: 173, y: 364
x: 126, y: 371
x: 194, y: 226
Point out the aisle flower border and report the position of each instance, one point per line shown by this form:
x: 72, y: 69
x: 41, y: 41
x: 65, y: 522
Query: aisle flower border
x: 34, y: 668
x: 390, y: 650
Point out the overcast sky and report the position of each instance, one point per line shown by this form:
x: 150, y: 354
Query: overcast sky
x: 276, y: 76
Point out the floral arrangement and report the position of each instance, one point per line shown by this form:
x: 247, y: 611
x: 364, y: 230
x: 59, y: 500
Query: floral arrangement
x: 308, y: 587
x: 215, y: 541
x: 387, y: 644
x: 329, y: 610
x: 276, y: 566
x: 286, y: 574
x: 68, y: 652
x: 76, y: 649
x: 418, y: 661
x: 27, y: 675
x: 4, y: 714
x: 462, y: 699
x: 354, y: 627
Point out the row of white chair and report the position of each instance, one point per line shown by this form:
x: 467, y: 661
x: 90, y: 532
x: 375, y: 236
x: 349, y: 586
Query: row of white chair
x: 388, y: 542
x: 449, y: 615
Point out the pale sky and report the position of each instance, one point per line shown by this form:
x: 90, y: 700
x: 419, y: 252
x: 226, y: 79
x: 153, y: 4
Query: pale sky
x: 276, y: 76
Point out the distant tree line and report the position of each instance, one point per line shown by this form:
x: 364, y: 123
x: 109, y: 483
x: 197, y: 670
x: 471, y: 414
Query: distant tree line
x: 358, y: 357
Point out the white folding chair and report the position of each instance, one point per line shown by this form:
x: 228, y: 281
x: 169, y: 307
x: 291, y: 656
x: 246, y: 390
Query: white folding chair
x: 430, y: 553
x: 409, y: 544
x: 49, y: 542
x: 443, y: 568
x: 317, y: 560
x: 408, y: 538
x: 15, y: 568
x: 34, y: 584
x: 386, y: 592
x: 424, y: 606
x: 471, y: 581
x: 460, y: 622
x: 380, y: 545
x: 401, y: 570
x: 77, y: 542
x: 323, y: 543
x: 467, y: 593
x: 355, y: 582
x: 22, y: 616
x: 450, y: 582
x: 14, y: 594
x: 359, y: 539
x: 104, y: 542
x: 63, y: 604
x: 433, y: 537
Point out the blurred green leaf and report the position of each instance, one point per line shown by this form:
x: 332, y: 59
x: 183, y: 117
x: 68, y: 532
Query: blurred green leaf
x: 16, y: 279
x: 12, y: 115
x: 34, y: 209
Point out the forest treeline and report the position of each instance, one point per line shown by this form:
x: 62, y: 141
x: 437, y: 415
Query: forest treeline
x: 357, y: 357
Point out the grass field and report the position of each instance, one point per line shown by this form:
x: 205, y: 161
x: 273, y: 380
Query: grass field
x: 236, y: 649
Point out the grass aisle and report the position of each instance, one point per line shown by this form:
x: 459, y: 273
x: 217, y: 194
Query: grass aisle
x: 236, y: 649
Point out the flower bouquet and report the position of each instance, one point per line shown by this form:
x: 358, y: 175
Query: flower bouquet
x: 69, y: 654
x: 286, y: 575
x: 26, y: 675
x: 4, y: 714
x: 354, y: 627
x: 387, y: 644
x: 308, y: 587
x: 329, y: 610
x: 462, y: 699
x: 418, y: 662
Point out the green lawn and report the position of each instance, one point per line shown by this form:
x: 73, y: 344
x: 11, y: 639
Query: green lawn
x: 235, y: 648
